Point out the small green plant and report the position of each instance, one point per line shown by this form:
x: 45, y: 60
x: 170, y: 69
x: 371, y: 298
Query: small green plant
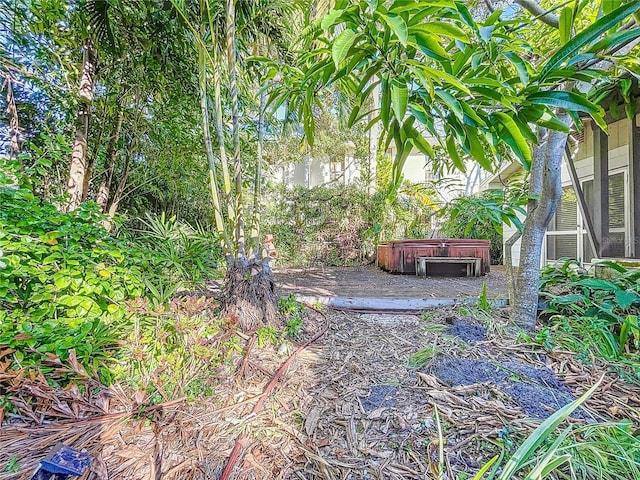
x: 12, y: 465
x: 267, y: 336
x: 293, y: 328
x: 426, y: 316
x: 483, y: 300
x: 291, y: 310
x: 422, y: 357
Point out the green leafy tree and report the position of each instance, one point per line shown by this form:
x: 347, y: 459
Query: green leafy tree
x: 474, y: 86
x: 225, y: 35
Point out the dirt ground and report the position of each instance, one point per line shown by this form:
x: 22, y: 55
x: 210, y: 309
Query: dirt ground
x: 357, y: 403
x: 370, y: 281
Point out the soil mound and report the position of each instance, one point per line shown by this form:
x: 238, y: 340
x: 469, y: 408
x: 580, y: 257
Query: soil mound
x: 536, y: 390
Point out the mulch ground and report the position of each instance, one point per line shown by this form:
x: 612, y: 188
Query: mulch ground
x: 350, y: 406
x: 370, y: 281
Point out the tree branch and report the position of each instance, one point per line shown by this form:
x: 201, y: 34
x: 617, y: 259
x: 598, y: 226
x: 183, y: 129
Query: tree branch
x: 533, y: 7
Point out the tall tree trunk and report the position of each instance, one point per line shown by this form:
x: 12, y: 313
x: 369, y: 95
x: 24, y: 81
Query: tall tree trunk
x: 102, y: 196
x: 257, y: 181
x: 222, y: 151
x: 545, y: 190
x: 91, y: 156
x: 78, y: 168
x: 249, y: 294
x: 15, y: 142
x: 235, y: 122
x: 117, y: 196
x: 213, y: 180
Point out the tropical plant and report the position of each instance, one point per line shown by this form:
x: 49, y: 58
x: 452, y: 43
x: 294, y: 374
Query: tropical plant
x: 223, y: 33
x: 540, y: 454
x: 474, y: 86
x: 482, y: 216
x: 63, y: 283
x: 593, y: 315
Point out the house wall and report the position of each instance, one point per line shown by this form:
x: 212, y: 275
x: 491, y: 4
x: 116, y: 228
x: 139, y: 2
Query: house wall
x: 618, y: 146
x: 507, y: 233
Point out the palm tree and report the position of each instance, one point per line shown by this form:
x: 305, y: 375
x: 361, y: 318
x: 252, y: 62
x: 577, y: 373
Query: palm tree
x: 226, y: 33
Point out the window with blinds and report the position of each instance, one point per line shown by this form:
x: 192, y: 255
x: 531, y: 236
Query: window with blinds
x: 566, y: 217
x: 615, y: 244
x: 562, y: 243
x: 616, y: 201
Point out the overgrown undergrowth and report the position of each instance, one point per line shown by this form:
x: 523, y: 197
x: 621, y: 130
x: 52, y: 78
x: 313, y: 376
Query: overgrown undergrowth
x: 71, y: 293
x: 594, y: 317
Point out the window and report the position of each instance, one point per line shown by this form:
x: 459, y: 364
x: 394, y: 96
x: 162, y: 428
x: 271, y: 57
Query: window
x: 615, y: 244
x: 564, y: 244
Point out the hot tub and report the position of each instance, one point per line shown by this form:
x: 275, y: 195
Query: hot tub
x: 399, y: 256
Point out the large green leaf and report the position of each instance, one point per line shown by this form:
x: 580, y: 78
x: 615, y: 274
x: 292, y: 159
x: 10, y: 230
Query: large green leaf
x: 331, y: 19
x: 399, y: 97
x: 565, y: 24
x: 539, y: 115
x: 429, y: 45
x: 597, y: 284
x: 521, y: 66
x: 453, y: 153
x: 385, y: 102
x: 452, y: 102
x: 521, y: 149
x: 441, y: 28
x: 586, y: 37
x: 625, y: 298
x: 614, y: 39
x: 416, y: 138
x: 398, y: 25
x: 477, y: 149
x: 443, y: 76
x: 341, y: 46
x: 566, y: 100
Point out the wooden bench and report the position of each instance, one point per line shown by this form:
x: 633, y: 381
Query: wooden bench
x: 473, y: 264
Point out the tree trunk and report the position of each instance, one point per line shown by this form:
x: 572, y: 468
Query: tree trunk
x: 257, y: 181
x: 102, y: 196
x: 508, y: 265
x: 118, y: 193
x: 249, y: 294
x: 78, y: 168
x: 237, y: 200
x: 545, y: 190
x: 15, y: 142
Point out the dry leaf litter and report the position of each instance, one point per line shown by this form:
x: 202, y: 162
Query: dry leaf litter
x: 348, y: 406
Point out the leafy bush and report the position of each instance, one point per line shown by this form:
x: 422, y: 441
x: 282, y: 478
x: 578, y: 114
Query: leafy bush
x: 341, y: 225
x: 326, y: 225
x: 593, y: 316
x: 67, y: 288
x: 175, y: 251
x: 62, y: 282
x: 482, y: 217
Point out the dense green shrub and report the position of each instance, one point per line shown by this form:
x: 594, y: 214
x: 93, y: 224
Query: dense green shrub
x: 481, y: 217
x: 341, y: 225
x: 593, y: 315
x: 63, y: 281
x: 325, y: 225
x: 67, y: 286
